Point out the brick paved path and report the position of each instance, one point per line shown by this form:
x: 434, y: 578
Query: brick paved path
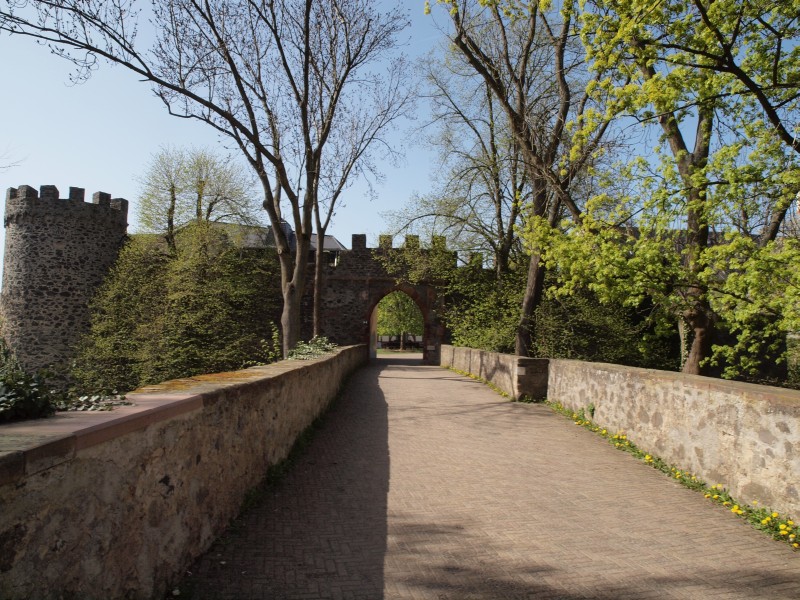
x: 425, y: 485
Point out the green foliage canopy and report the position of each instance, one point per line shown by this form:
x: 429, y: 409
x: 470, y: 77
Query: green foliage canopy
x: 703, y: 228
x: 159, y: 316
x: 398, y: 314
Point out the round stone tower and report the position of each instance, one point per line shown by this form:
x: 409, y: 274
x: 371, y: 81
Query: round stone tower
x: 57, y: 253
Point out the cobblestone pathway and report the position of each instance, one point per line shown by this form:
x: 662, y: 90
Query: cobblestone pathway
x: 422, y: 484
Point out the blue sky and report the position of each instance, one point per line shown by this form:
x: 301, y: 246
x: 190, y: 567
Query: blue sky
x: 100, y: 135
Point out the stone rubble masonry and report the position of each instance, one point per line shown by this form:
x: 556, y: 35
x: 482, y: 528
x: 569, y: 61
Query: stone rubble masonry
x: 517, y: 376
x: 119, y: 504
x: 57, y: 252
x: 353, y: 288
x: 744, y: 436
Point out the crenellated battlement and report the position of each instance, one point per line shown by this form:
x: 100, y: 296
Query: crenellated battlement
x: 57, y: 253
x: 386, y: 242
x: 26, y: 200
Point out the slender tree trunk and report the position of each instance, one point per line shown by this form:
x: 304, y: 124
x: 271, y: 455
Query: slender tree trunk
x: 292, y: 296
x: 318, y: 275
x: 701, y: 327
x: 293, y: 265
x: 290, y: 319
x: 171, y: 219
x: 534, y: 290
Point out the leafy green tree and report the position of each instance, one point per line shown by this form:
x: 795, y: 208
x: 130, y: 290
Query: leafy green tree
x: 183, y: 185
x: 158, y: 316
x: 721, y: 174
x: 526, y: 54
x: 127, y: 315
x: 750, y: 48
x: 399, y: 315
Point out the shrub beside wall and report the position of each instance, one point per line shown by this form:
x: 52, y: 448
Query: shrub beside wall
x: 117, y: 505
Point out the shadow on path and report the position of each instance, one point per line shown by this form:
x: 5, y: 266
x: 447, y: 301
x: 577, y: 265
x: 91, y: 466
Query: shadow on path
x: 321, y: 531
x: 488, y: 500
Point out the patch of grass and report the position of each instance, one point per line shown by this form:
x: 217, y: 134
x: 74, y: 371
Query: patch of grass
x: 492, y: 386
x: 779, y: 527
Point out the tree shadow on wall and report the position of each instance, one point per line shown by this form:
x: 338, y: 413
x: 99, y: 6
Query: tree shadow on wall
x: 320, y: 532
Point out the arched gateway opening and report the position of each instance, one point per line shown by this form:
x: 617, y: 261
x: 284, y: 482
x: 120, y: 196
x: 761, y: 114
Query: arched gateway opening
x: 397, y: 322
x: 354, y: 286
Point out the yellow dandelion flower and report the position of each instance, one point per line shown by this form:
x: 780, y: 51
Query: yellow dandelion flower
x: 735, y: 508
x: 790, y: 522
x: 782, y: 526
x: 795, y: 545
x: 765, y: 521
x: 726, y: 503
x: 716, y: 496
x: 784, y: 532
x: 708, y: 495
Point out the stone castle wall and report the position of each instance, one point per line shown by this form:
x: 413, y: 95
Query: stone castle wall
x: 353, y: 288
x: 57, y: 252
x: 97, y: 505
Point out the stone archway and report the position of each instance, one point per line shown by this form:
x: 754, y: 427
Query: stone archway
x: 427, y: 308
x: 352, y: 290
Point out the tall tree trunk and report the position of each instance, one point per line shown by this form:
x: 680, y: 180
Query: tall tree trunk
x: 691, y: 165
x: 293, y: 264
x: 292, y: 296
x: 701, y: 327
x: 290, y: 319
x: 534, y: 290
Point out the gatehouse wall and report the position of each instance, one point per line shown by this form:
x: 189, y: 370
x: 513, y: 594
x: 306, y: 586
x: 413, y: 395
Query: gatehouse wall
x: 355, y: 285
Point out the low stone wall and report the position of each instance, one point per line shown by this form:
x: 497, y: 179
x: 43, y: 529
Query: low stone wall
x: 744, y: 436
x: 514, y: 375
x: 117, y: 505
